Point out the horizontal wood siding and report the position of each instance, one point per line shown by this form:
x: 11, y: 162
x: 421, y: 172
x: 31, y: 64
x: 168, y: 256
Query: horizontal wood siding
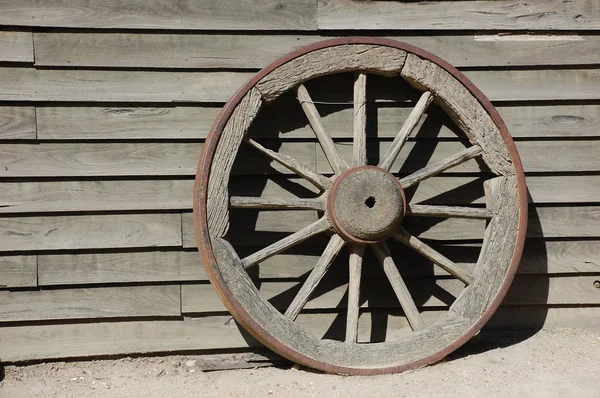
x: 104, y: 110
x: 16, y: 46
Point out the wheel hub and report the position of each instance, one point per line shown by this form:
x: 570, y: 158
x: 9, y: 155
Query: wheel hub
x: 366, y: 204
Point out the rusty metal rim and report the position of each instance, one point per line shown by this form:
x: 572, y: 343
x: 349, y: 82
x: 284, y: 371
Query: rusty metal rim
x: 331, y: 214
x: 205, y: 246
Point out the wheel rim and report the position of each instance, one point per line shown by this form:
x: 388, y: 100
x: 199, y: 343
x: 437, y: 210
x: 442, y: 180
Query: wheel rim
x: 434, y: 341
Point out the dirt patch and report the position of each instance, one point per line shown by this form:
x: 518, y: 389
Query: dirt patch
x: 551, y: 363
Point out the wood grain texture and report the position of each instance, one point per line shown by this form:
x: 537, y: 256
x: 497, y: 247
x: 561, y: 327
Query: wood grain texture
x: 180, y: 159
x: 16, y: 46
x: 175, y: 194
x: 73, y: 85
x: 157, y: 14
x: 359, y: 157
x: 384, y: 60
x: 406, y: 130
x: 100, y: 123
x: 539, y: 257
x: 18, y: 271
x: 292, y: 240
x: 101, y: 195
x: 135, y: 50
x: 382, y: 252
x: 463, y: 108
x: 427, y: 293
x: 547, y: 222
x: 17, y: 123
x: 97, y: 159
x: 100, y: 302
x: 294, y: 165
x: 28, y: 84
x: 355, y: 261
x: 119, y: 267
x: 90, y: 231
x: 21, y: 343
x: 483, y: 15
x: 312, y: 114
x: 537, y: 156
x: 310, y: 284
x: 217, y: 206
x: 497, y: 252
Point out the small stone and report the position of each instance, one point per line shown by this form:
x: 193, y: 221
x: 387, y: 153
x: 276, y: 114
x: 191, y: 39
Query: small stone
x: 190, y: 363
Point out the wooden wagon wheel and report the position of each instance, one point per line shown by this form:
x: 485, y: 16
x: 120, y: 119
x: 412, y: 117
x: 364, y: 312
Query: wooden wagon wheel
x: 363, y: 206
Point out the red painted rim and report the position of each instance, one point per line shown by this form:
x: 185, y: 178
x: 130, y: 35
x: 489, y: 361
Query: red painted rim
x: 205, y: 246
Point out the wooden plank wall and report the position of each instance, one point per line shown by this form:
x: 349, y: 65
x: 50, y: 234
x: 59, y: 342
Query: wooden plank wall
x: 104, y: 108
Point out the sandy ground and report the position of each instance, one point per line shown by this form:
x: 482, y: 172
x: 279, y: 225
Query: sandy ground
x: 557, y: 363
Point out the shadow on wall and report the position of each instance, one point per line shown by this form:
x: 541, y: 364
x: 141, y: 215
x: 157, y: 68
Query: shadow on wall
x: 512, y: 324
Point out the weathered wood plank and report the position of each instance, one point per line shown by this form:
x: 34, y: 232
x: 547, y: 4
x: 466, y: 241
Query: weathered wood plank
x: 135, y: 50
x: 119, y: 267
x: 539, y: 257
x: 547, y: 222
x: 18, y: 271
x: 73, y: 85
x: 158, y: 14
x: 525, y: 290
x: 540, y: 85
x: 542, y: 189
x: 176, y: 194
x: 57, y: 196
x: 537, y: 156
x: 16, y: 46
x: 482, y: 15
x: 90, y: 231
x: 17, y: 123
x: 75, y: 122
x: 180, y: 159
x: 130, y: 159
x: 100, y: 302
x: 21, y: 343
x: 28, y: 84
x: 96, y: 159
x: 78, y: 123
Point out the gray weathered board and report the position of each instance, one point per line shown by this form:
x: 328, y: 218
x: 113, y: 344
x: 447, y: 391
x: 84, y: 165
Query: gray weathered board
x: 104, y: 111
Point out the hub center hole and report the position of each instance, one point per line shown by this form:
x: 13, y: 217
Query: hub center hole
x: 370, y: 202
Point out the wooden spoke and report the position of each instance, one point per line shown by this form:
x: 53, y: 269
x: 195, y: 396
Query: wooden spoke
x: 333, y: 248
x: 431, y: 254
x: 331, y: 153
x: 313, y: 229
x: 407, y: 128
x: 356, y: 258
x: 440, y: 166
x: 359, y: 157
x: 449, y: 211
x: 316, y: 179
x: 382, y: 252
x: 251, y: 202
